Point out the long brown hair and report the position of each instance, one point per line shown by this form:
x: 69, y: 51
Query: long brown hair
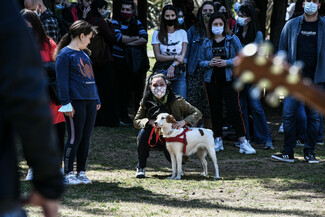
x: 163, y: 34
x: 38, y: 29
x: 76, y: 29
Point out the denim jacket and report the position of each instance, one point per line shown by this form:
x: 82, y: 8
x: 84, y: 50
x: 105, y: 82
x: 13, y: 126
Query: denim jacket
x: 258, y: 39
x: 288, y: 43
x: 232, y: 45
x: 195, y: 41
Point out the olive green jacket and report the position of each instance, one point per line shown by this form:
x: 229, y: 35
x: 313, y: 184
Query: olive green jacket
x: 180, y: 109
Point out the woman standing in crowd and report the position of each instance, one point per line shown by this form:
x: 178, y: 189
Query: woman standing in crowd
x: 246, y: 31
x: 222, y: 8
x: 180, y: 18
x: 169, y: 46
x: 79, y: 97
x: 47, y: 47
x: 216, y: 58
x: 158, y: 97
x: 196, y: 94
x: 101, y: 47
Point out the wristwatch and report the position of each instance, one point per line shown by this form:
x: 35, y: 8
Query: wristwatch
x: 174, y: 64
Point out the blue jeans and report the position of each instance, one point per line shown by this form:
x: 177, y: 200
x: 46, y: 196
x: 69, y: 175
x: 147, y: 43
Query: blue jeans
x: 16, y: 212
x: 290, y: 107
x: 178, y: 85
x: 260, y: 127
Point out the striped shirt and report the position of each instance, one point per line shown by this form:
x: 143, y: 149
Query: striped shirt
x: 132, y: 28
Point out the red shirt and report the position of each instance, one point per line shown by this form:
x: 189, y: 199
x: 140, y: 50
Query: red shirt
x: 47, y: 52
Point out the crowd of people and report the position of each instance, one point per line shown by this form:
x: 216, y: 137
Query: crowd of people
x: 97, y: 67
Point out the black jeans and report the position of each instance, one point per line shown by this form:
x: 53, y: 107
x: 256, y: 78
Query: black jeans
x: 79, y: 130
x: 144, y: 147
x: 218, y: 91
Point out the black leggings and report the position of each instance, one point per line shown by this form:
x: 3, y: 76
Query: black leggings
x: 218, y: 91
x: 144, y: 147
x: 79, y: 130
x: 60, y: 130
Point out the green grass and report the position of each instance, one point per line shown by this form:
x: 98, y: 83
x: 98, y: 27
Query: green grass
x: 250, y: 186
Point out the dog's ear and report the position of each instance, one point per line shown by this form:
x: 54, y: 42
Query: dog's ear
x: 170, y: 119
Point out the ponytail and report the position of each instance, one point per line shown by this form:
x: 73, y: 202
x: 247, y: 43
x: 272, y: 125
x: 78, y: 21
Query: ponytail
x: 65, y: 40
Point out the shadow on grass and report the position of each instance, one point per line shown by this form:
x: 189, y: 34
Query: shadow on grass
x: 114, y: 193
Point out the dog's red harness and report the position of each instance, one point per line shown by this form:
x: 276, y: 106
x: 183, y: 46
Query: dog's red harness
x: 179, y: 139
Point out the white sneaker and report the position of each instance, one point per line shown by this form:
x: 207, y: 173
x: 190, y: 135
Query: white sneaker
x: 83, y: 178
x: 281, y: 130
x: 246, y: 148
x: 218, y: 144
x: 71, y: 179
x: 29, y: 176
x: 141, y: 173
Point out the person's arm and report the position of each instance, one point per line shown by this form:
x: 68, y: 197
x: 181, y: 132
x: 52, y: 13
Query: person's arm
x: 192, y: 114
x: 140, y: 120
x: 139, y: 42
x: 51, y: 28
x: 106, y: 30
x: 25, y: 105
x: 119, y: 37
x: 237, y: 46
x: 189, y: 46
x: 143, y: 36
x: 204, y: 63
x: 160, y: 57
x: 283, y: 43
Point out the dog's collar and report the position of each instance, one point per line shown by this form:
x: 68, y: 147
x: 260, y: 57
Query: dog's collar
x: 168, y: 133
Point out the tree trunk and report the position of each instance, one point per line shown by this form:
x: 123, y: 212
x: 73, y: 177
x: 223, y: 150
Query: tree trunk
x: 142, y: 12
x: 277, y: 21
x: 261, y: 16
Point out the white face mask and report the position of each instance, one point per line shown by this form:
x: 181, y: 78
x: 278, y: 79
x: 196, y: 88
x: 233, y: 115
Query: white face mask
x: 159, y: 92
x: 241, y: 21
x: 217, y: 30
x: 310, y: 8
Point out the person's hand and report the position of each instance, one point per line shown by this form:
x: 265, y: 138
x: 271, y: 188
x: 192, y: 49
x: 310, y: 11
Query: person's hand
x: 180, y: 59
x: 152, y: 123
x: 213, y: 62
x: 221, y: 63
x: 179, y: 124
x: 170, y: 72
x: 50, y: 207
x: 70, y: 114
x: 85, y: 12
x: 98, y: 106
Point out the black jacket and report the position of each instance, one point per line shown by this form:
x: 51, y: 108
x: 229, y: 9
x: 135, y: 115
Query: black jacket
x: 24, y: 110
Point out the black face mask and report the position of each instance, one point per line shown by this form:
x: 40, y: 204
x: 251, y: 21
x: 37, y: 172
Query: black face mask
x: 170, y: 22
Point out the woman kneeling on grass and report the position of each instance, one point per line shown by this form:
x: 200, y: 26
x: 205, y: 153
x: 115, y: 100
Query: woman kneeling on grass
x: 158, y: 97
x: 79, y: 97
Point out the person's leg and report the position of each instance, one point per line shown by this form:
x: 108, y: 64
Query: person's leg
x: 313, y: 122
x: 243, y: 96
x: 143, y: 146
x: 320, y: 135
x: 60, y: 130
x: 83, y: 150
x: 301, y: 124
x: 74, y: 129
x: 179, y: 85
x: 290, y: 106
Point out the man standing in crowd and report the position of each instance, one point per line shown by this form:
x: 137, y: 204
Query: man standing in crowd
x: 303, y: 38
x: 129, y: 31
x: 24, y: 110
x: 49, y: 21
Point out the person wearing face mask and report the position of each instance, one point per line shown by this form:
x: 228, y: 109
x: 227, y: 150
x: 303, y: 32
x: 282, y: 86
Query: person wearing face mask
x: 216, y: 59
x: 303, y: 38
x: 76, y: 10
x: 169, y: 46
x: 180, y: 18
x: 101, y: 47
x: 129, y: 34
x: 196, y: 93
x: 158, y: 97
x: 246, y: 31
x: 222, y: 8
x: 48, y: 19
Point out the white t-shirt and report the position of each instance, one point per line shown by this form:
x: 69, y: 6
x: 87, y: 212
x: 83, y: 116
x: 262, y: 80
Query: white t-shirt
x: 175, y: 42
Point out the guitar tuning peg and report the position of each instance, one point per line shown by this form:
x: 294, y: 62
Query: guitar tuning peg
x: 238, y: 85
x: 276, y: 69
x: 278, y: 60
x: 264, y: 83
x: 250, y: 49
x: 265, y: 49
x: 296, y: 67
x: 293, y: 78
x: 281, y: 91
x: 247, y: 76
x: 272, y: 99
x: 255, y: 92
x: 280, y: 57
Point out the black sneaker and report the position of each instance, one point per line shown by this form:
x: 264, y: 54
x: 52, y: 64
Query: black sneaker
x: 283, y: 157
x: 126, y: 122
x: 140, y: 173
x: 311, y: 159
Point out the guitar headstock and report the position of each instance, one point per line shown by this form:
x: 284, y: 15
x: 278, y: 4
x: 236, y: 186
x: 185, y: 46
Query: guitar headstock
x: 257, y: 64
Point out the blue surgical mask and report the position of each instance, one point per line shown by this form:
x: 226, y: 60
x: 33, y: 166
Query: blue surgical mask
x: 310, y: 8
x: 241, y: 21
x: 180, y: 20
x: 38, y: 14
x: 105, y: 14
x: 217, y: 30
x: 60, y: 6
x: 237, y: 6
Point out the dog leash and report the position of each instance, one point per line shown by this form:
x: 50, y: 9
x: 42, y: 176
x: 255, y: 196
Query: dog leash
x: 157, y: 131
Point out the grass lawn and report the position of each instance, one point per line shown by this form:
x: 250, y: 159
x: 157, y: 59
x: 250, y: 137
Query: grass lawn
x: 250, y: 185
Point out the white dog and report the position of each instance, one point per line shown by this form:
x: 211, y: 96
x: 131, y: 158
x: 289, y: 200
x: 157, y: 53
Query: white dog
x: 199, y: 140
